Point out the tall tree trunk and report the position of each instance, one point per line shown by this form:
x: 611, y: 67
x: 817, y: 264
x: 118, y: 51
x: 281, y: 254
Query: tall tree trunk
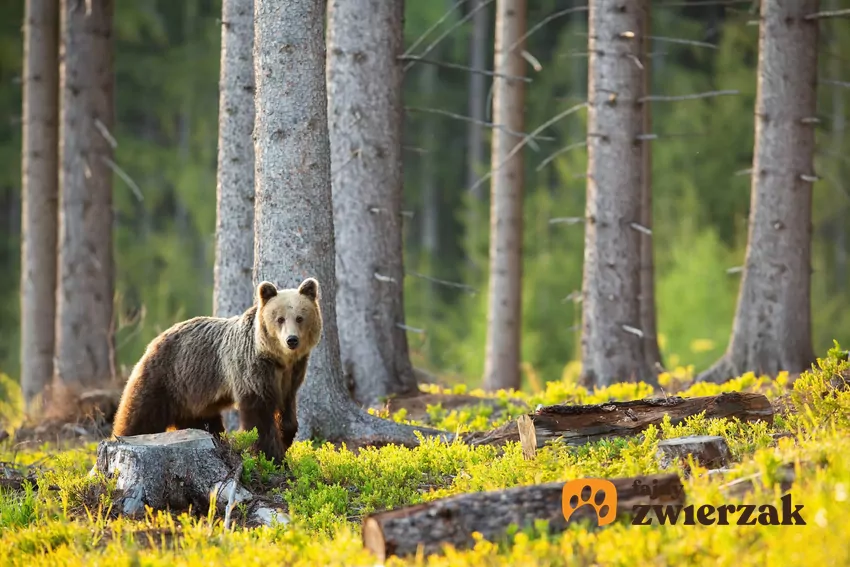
x: 836, y: 65
x: 477, y: 101
x: 293, y: 214
x: 772, y: 328
x: 233, y: 290
x: 39, y: 186
x: 84, y: 327
x: 431, y: 140
x: 504, y: 320
x: 475, y: 133
x: 364, y: 81
x: 648, y: 320
x: 612, y: 346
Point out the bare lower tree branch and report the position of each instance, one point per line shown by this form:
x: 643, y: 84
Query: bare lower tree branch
x: 662, y: 98
x: 563, y: 150
x: 440, y: 38
x: 447, y: 65
x: 527, y: 139
x: 683, y: 41
x: 427, y: 32
x: 829, y: 14
x: 543, y: 22
x: 469, y: 289
x: 474, y: 121
x: 842, y: 84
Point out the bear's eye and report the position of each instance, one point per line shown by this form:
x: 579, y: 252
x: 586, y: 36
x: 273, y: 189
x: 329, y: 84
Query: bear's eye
x: 299, y: 319
x: 281, y: 320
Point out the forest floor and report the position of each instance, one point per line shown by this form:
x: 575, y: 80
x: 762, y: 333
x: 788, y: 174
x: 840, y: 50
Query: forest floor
x: 64, y: 517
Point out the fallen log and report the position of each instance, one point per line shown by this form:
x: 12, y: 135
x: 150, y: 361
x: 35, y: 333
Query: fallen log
x: 578, y: 424
x: 710, y: 451
x: 175, y: 470
x: 452, y: 520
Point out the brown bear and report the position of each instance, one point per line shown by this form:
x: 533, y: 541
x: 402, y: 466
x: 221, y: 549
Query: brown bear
x: 255, y: 361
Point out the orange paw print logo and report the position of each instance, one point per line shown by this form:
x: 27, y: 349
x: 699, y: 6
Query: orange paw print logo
x: 598, y: 493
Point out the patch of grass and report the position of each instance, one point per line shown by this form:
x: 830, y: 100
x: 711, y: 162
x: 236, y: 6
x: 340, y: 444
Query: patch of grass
x: 329, y: 489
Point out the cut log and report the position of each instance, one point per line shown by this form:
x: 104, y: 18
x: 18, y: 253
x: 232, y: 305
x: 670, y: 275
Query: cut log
x: 452, y: 520
x: 587, y: 423
x: 176, y: 469
x: 710, y: 451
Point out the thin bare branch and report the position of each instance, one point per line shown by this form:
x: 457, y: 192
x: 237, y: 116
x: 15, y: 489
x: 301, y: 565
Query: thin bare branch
x: 660, y: 98
x: 563, y: 150
x: 414, y: 149
x: 442, y: 19
x: 543, y: 22
x: 532, y: 60
x: 104, y: 131
x: 842, y: 84
x: 464, y: 68
x: 683, y: 41
x: 440, y: 38
x: 566, y: 220
x: 411, y: 329
x: 527, y: 139
x: 126, y: 178
x: 829, y: 14
x: 472, y: 120
x: 469, y: 289
x: 701, y: 3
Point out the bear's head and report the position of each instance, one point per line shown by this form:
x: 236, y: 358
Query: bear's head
x: 289, y: 321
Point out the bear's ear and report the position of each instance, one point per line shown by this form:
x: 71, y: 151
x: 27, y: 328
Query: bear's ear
x: 265, y: 291
x: 310, y: 288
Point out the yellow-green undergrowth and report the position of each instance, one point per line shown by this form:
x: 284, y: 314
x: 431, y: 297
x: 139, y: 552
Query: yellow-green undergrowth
x: 332, y: 488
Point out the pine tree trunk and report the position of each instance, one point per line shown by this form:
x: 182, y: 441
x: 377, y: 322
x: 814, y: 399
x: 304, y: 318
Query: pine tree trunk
x: 648, y: 319
x: 475, y: 133
x: 233, y: 291
x: 84, y: 327
x: 364, y: 81
x: 612, y: 346
x: 504, y: 320
x: 428, y: 178
x: 836, y: 65
x: 477, y: 95
x: 40, y: 192
x: 294, y: 231
x: 772, y: 327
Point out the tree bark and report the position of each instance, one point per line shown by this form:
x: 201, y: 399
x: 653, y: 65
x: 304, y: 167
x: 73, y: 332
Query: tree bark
x: 176, y: 469
x: 772, y: 327
x: 40, y: 194
x: 504, y: 319
x: 588, y: 423
x: 452, y: 520
x: 648, y: 319
x: 233, y: 290
x: 612, y: 343
x: 836, y: 66
x: 294, y: 231
x: 84, y: 325
x: 477, y: 95
x: 710, y: 451
x: 364, y: 81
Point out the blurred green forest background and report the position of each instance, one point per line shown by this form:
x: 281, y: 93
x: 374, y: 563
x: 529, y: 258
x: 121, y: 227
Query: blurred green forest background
x: 167, y: 65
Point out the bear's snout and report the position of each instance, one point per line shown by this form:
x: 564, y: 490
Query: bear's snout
x: 292, y: 342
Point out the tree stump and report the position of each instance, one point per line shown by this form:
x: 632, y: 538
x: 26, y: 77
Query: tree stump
x: 711, y: 451
x: 176, y: 469
x: 452, y: 520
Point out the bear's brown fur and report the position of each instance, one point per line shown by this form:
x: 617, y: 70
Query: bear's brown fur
x: 256, y: 361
